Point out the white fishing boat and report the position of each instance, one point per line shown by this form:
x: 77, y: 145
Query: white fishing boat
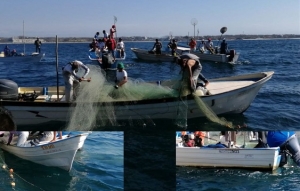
x: 59, y: 153
x: 33, y: 58
x: 228, y: 95
x: 232, y: 57
x: 22, y: 57
x: 167, y: 57
x: 252, y: 158
x: 142, y: 54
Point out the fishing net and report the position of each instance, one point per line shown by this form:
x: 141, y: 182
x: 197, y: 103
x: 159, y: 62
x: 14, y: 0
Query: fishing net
x: 95, y: 101
x: 208, y: 112
x: 94, y: 104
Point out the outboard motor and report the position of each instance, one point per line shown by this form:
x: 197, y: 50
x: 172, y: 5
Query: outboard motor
x: 107, y: 60
x: 8, y: 90
x: 231, y: 55
x: 292, y: 147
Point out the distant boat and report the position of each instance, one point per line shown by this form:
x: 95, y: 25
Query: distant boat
x: 22, y: 57
x: 165, y: 56
x: 33, y: 58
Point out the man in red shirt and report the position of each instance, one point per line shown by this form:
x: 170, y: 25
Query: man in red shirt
x: 193, y: 44
x: 111, y: 46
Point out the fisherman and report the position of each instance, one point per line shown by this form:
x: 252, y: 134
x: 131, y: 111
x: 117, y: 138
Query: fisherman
x: 191, y: 71
x: 286, y: 140
x: 121, y: 76
x: 6, y: 51
x: 37, y: 44
x: 173, y: 47
x: 193, y: 45
x: 22, y: 138
x: 96, y: 36
x: 112, y: 31
x: 121, y: 47
x: 224, y: 47
x: 210, y: 46
x: 72, y: 79
x: 157, y: 46
x: 202, y: 48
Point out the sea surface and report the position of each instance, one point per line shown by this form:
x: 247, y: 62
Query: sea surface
x: 99, y: 165
x: 149, y: 148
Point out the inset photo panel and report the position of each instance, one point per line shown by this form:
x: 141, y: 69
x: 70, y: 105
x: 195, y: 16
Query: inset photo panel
x: 211, y: 160
x: 64, y: 160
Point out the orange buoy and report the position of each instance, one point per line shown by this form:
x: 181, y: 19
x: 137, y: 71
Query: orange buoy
x: 11, y: 170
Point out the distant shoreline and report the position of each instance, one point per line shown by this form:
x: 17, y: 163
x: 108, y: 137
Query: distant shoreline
x: 153, y: 41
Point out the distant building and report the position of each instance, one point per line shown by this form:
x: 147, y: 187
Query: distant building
x: 25, y: 40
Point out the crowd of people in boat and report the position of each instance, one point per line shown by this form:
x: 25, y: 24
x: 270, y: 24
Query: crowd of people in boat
x: 107, y: 43
x: 31, y: 138
x: 208, y: 46
x: 203, y: 47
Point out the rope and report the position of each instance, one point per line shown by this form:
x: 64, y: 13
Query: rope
x: 12, y: 173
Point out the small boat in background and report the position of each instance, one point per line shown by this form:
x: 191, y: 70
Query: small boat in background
x: 232, y: 57
x: 34, y: 57
x: 151, y: 56
x: 13, y: 56
x: 59, y: 153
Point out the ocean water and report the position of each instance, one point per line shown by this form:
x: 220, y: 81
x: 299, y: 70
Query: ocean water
x: 149, y: 151
x: 99, y: 165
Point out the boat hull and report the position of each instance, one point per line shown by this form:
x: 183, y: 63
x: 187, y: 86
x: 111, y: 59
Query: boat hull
x: 229, y: 95
x: 222, y: 58
x: 145, y: 55
x: 56, y: 154
x: 261, y: 158
x: 20, y: 59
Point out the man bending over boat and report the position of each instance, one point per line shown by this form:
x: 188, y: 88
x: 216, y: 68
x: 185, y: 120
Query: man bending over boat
x: 191, y: 68
x: 72, y: 79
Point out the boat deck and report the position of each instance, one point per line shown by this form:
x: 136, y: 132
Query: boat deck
x: 226, y: 86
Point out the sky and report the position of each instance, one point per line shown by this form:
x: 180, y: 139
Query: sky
x: 149, y: 18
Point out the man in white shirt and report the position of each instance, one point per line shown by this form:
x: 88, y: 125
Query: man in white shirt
x: 72, y: 79
x: 121, y: 47
x: 202, y: 48
x: 210, y: 46
x: 121, y: 76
